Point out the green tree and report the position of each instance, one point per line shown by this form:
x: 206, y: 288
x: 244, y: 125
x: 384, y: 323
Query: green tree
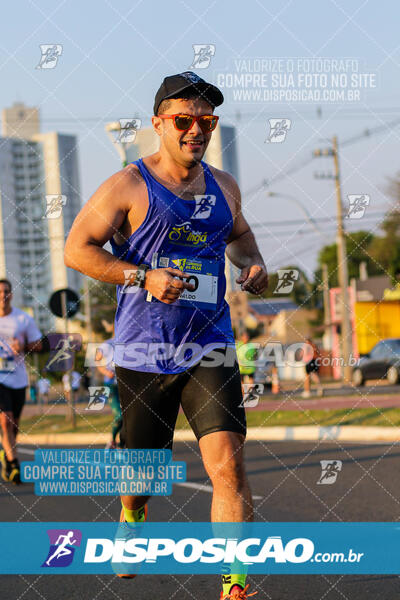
x: 386, y: 250
x: 358, y: 248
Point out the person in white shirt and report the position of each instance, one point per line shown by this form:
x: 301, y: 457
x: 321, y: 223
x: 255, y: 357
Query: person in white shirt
x: 72, y: 383
x: 19, y: 335
x: 43, y: 387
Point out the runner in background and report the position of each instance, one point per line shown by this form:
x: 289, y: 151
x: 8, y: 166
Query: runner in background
x: 313, y: 357
x: 43, y: 387
x: 71, y: 384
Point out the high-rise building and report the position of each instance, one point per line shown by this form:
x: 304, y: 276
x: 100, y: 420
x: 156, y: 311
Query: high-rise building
x: 34, y: 165
x: 20, y: 121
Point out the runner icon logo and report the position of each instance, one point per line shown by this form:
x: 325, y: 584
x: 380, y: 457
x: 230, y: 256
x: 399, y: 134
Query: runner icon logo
x: 129, y: 128
x: 278, y: 130
x: 204, y: 204
x: 251, y: 394
x: 202, y: 55
x: 286, y: 280
x: 62, y: 351
x: 129, y: 287
x: 98, y: 396
x: 62, y: 547
x: 50, y: 55
x: 54, y: 206
x: 357, y: 205
x: 330, y: 471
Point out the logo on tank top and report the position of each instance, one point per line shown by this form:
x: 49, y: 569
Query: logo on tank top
x: 204, y: 204
x: 182, y: 234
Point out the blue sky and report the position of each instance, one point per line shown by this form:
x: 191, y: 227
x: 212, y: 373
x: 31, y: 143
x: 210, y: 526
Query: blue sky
x: 115, y: 55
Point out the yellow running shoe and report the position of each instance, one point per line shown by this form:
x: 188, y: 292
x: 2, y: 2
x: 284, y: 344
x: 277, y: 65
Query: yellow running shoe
x: 123, y: 520
x: 4, y: 466
x: 15, y: 475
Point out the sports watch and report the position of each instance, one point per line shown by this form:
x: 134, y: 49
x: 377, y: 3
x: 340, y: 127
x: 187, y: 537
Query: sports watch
x: 140, y: 276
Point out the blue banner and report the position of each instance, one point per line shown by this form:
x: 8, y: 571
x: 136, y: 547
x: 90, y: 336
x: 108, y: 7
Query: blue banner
x: 174, y: 548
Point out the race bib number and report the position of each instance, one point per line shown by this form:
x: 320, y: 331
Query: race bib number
x: 7, y: 364
x: 204, y: 277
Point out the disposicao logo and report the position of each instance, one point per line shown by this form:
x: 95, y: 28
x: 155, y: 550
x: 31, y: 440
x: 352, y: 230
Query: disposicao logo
x: 191, y: 550
x: 62, y: 547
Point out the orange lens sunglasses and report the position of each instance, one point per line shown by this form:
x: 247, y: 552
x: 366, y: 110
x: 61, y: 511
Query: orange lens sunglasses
x: 185, y: 122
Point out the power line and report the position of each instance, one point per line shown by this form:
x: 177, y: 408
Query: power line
x: 321, y: 220
x: 348, y: 112
x: 367, y: 133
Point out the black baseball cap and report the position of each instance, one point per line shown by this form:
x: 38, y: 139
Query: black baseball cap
x: 174, y: 84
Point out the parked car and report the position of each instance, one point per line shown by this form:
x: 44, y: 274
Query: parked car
x: 382, y: 362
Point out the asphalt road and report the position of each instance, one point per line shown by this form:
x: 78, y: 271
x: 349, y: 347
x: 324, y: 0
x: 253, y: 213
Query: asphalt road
x: 283, y: 478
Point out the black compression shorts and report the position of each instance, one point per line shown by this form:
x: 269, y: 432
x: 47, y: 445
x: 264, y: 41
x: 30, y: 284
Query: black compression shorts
x: 312, y: 367
x: 12, y: 400
x: 210, y: 396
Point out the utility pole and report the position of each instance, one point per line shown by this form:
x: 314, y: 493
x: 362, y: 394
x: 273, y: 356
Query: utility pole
x: 325, y: 290
x: 346, y: 333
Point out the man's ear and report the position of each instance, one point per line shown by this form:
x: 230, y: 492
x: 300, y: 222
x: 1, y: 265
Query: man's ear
x: 157, y: 125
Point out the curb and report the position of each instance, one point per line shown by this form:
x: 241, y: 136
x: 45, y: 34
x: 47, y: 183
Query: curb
x: 345, y: 433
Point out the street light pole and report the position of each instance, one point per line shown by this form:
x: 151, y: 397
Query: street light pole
x: 114, y: 131
x: 303, y: 209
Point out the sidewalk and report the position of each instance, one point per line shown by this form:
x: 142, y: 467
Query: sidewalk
x: 287, y: 402
x: 347, y: 433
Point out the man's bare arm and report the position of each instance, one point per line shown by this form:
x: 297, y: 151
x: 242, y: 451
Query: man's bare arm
x: 242, y: 247
x: 94, y: 226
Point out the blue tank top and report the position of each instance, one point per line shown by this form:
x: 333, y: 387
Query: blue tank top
x: 191, y: 235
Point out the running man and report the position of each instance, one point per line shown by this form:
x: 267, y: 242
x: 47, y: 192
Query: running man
x: 19, y: 335
x: 180, y: 318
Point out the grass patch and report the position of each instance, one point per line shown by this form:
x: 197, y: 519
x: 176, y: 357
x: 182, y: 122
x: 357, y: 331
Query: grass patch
x: 385, y: 417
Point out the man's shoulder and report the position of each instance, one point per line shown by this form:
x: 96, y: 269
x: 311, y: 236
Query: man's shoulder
x: 225, y: 180
x: 21, y: 315
x: 127, y: 178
